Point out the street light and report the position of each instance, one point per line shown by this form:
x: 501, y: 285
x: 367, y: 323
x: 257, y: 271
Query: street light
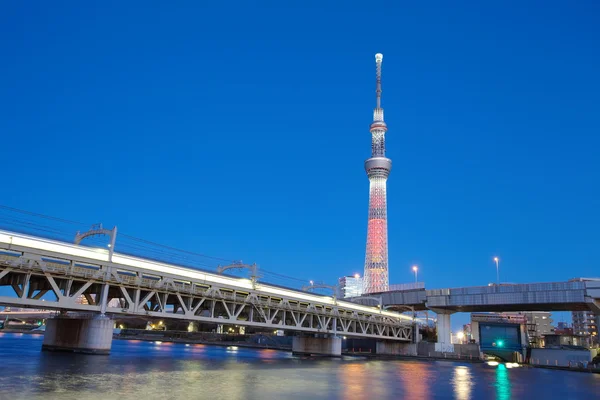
x: 415, y: 269
x: 460, y: 335
x: 497, y: 261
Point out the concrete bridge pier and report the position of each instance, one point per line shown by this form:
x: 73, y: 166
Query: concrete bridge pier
x: 386, y: 347
x: 90, y: 335
x: 318, y: 346
x: 444, y: 331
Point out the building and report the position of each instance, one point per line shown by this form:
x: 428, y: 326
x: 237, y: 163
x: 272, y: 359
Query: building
x: 351, y: 286
x: 468, y: 333
x: 586, y: 323
x: 551, y: 341
x: 376, y: 278
x: 562, y: 325
x: 499, y: 330
x: 565, y: 331
x: 539, y: 324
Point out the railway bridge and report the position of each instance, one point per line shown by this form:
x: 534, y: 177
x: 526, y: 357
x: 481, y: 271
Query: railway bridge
x: 54, y: 275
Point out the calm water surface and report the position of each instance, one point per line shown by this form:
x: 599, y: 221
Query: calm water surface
x: 148, y: 370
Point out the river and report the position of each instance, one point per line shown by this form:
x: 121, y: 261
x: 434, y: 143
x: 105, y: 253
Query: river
x: 153, y: 370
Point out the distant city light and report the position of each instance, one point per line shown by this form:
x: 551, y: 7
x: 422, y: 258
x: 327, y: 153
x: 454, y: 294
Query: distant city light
x: 497, y: 261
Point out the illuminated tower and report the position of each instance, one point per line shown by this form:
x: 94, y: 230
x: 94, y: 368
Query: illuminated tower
x: 378, y: 168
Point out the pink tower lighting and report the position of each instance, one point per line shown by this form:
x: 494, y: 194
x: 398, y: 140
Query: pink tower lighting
x: 376, y: 278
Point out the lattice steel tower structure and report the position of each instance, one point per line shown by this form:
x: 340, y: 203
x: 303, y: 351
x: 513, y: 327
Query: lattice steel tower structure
x: 376, y: 278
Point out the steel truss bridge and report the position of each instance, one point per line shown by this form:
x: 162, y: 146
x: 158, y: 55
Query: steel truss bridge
x: 54, y: 275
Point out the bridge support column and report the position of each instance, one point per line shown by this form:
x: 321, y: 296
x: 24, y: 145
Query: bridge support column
x: 444, y: 332
x: 318, y: 346
x: 79, y: 334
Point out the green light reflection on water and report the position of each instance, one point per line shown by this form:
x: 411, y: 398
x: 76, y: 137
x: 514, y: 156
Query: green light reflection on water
x: 502, y: 383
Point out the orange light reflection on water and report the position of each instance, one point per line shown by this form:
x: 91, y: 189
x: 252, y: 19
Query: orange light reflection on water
x: 354, y: 382
x: 413, y: 376
x: 268, y: 354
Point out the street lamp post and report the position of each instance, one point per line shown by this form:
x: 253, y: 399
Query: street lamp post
x: 415, y: 269
x: 497, y: 261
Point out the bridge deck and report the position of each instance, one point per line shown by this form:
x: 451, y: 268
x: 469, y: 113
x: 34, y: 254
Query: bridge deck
x: 550, y: 296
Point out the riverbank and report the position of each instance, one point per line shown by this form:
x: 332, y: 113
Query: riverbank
x: 22, y: 331
x: 574, y: 369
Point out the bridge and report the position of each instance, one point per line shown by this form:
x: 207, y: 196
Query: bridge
x: 576, y: 294
x: 50, y: 274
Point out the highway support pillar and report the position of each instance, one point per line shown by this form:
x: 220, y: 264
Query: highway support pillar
x: 444, y: 332
x: 77, y: 334
x: 317, y: 346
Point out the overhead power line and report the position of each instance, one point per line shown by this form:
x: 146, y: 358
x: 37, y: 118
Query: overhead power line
x: 12, y: 218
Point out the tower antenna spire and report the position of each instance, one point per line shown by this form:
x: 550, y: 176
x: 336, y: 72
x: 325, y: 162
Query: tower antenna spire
x: 378, y: 61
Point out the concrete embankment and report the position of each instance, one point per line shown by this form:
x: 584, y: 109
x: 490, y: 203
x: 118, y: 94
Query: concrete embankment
x: 259, y: 341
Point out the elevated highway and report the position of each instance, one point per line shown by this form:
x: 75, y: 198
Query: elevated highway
x: 573, y: 295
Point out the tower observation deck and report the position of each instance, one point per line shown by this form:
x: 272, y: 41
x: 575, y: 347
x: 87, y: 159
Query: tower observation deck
x: 376, y: 278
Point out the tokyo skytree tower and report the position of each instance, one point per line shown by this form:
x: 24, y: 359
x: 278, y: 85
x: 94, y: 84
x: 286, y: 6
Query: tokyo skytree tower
x: 376, y: 278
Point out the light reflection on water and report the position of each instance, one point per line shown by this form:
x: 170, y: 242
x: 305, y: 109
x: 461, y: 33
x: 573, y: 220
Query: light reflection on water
x: 502, y: 383
x: 409, y: 373
x: 352, y: 379
x: 462, y: 382
x: 145, y: 370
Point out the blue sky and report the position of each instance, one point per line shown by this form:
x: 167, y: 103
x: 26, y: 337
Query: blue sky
x: 240, y: 130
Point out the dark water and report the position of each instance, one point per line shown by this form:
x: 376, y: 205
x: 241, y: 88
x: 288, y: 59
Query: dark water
x: 146, y: 370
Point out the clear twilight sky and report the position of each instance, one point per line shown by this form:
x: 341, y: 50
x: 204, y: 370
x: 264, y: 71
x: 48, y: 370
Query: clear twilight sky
x: 239, y: 130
